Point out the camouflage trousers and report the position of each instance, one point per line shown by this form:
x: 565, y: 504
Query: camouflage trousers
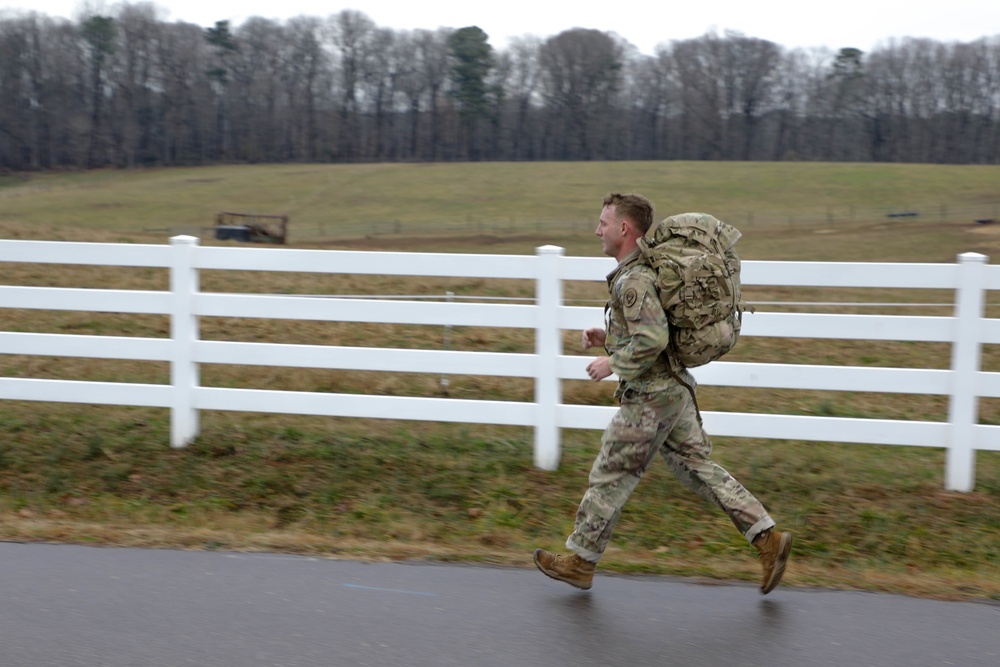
x: 665, y: 422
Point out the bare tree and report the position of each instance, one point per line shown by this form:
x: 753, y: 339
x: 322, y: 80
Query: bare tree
x: 697, y: 71
x: 748, y: 73
x: 412, y: 87
x: 19, y: 122
x: 186, y: 110
x: 259, y: 110
x: 799, y: 98
x: 139, y: 30
x: 522, y: 82
x: 382, y: 80
x: 970, y: 100
x: 350, y: 31
x: 648, y: 95
x: 308, y: 70
x: 432, y: 54
x: 580, y: 75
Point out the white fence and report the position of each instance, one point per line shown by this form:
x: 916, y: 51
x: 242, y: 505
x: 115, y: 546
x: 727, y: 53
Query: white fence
x: 967, y: 330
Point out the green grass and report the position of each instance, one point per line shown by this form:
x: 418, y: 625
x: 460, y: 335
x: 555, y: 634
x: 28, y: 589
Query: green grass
x: 497, y: 198
x: 865, y: 516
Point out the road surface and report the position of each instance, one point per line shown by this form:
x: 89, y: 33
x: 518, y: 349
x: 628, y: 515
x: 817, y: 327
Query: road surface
x: 74, y: 606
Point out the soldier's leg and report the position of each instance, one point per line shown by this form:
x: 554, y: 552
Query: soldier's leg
x: 687, y: 449
x: 627, y: 447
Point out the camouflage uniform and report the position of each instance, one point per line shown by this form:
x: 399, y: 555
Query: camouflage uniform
x: 657, y: 414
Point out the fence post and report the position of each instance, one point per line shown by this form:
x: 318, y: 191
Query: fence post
x: 548, y: 348
x: 184, y: 334
x: 966, y: 351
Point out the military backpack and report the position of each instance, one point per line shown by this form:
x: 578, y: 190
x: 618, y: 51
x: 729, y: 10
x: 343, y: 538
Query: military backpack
x: 698, y: 278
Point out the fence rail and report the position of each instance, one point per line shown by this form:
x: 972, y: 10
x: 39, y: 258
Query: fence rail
x: 967, y: 330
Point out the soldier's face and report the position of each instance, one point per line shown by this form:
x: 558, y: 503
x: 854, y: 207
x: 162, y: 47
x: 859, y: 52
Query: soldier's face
x: 611, y: 231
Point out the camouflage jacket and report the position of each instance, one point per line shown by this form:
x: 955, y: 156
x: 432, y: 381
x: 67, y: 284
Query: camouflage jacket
x: 637, y: 329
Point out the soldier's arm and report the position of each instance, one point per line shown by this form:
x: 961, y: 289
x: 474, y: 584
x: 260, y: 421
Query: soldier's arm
x: 648, y: 332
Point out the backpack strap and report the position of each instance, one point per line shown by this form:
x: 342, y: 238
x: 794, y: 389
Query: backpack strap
x: 694, y: 395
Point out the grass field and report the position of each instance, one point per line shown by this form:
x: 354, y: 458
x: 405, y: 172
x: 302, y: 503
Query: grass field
x: 865, y: 517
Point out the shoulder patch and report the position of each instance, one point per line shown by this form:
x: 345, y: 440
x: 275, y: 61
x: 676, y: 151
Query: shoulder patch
x: 630, y: 297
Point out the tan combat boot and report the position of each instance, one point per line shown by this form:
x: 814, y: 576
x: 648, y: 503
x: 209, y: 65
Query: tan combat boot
x: 773, y: 548
x: 570, y: 568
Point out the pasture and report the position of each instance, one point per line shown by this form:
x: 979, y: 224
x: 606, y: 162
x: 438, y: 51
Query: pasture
x: 865, y: 516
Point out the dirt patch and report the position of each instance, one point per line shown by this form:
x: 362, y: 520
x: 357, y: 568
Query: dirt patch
x: 988, y: 229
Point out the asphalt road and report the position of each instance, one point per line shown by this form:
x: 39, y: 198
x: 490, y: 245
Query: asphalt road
x: 72, y: 606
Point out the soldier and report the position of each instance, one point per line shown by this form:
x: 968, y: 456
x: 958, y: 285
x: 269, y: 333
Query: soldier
x: 658, y: 413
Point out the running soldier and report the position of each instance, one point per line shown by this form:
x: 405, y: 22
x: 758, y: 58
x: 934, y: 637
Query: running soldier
x: 658, y: 413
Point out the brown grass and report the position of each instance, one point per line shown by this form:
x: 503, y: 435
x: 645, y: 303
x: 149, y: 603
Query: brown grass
x: 868, y: 517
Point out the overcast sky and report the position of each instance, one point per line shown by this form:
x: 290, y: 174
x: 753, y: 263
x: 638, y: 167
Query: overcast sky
x: 790, y: 23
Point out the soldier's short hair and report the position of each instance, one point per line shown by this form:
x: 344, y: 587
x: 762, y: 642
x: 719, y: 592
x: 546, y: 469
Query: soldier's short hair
x: 633, y: 206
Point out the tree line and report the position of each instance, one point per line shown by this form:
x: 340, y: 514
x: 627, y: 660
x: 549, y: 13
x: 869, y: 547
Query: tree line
x: 130, y: 89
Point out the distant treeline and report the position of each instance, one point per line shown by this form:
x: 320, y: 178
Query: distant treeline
x: 129, y: 89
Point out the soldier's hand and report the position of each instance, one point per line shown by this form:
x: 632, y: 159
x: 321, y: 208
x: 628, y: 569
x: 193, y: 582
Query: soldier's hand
x: 593, y: 337
x: 599, y: 368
